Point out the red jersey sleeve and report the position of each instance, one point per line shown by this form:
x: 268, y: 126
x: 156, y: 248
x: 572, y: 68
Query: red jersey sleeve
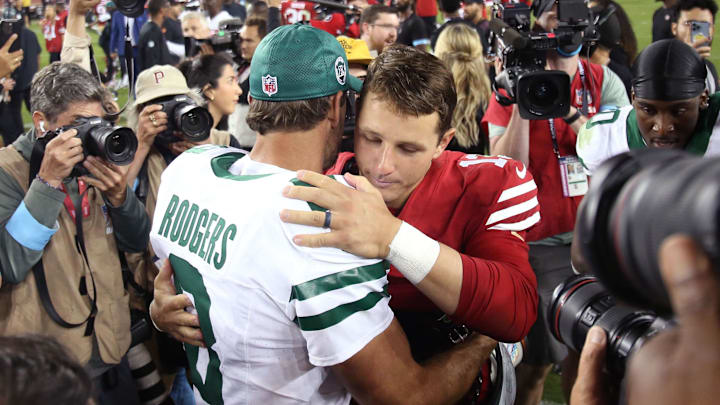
x: 496, y: 113
x: 499, y: 289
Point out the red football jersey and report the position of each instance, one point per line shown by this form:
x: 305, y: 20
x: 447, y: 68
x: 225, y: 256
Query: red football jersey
x: 335, y: 25
x: 481, y: 207
x: 296, y: 11
x: 559, y: 212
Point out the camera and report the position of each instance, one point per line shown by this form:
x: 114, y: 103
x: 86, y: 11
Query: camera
x: 581, y: 302
x: 186, y: 117
x: 635, y: 201
x: 539, y: 94
x: 100, y: 138
x: 227, y: 39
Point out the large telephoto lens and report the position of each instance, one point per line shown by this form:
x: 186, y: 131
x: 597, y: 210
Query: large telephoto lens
x: 194, y: 122
x: 635, y: 201
x: 114, y: 144
x: 582, y: 302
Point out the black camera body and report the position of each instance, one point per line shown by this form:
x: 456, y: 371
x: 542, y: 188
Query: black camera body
x: 539, y: 94
x: 227, y: 39
x: 100, y: 138
x: 186, y: 117
x: 635, y: 201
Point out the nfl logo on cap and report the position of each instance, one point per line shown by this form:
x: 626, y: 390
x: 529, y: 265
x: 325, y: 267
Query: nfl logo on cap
x: 269, y: 84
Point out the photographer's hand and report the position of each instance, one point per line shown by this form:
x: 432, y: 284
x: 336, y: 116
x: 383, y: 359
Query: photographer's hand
x: 682, y: 365
x: 591, y: 387
x: 703, y: 48
x: 81, y: 7
x: 151, y: 121
x: 167, y: 310
x: 61, y: 155
x: 108, y: 178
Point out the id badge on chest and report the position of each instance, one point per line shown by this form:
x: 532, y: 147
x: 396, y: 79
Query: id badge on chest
x: 572, y: 174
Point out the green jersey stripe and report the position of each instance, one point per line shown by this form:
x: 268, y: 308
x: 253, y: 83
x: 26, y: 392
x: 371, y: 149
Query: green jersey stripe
x: 338, y: 280
x: 341, y: 312
x: 221, y: 167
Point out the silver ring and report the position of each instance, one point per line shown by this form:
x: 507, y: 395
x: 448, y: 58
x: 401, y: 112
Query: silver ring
x: 328, y: 218
x: 153, y: 119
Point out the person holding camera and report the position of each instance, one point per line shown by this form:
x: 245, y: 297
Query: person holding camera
x: 694, y: 24
x: 66, y: 214
x: 547, y: 147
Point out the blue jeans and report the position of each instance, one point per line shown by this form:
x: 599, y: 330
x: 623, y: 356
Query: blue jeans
x: 182, y: 393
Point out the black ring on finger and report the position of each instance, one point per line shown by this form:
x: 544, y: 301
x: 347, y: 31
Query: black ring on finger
x: 328, y: 219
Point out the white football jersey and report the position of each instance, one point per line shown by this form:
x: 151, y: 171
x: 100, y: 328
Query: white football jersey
x: 273, y: 314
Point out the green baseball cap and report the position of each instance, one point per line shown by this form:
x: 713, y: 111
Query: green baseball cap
x: 299, y: 62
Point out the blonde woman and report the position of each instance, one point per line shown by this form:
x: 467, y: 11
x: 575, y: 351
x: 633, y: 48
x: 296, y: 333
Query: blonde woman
x: 460, y: 48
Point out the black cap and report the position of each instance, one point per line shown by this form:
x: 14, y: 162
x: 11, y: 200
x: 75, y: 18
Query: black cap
x: 668, y: 70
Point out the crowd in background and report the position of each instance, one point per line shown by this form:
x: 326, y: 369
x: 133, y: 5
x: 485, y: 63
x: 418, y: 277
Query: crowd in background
x: 175, y: 51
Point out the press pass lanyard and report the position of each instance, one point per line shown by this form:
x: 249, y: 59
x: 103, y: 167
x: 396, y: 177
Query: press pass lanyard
x: 70, y: 206
x: 584, y: 107
x: 572, y: 175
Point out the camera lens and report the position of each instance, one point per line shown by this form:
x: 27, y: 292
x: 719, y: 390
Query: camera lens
x: 582, y: 302
x: 194, y: 122
x: 113, y: 144
x: 627, y: 213
x: 542, y: 94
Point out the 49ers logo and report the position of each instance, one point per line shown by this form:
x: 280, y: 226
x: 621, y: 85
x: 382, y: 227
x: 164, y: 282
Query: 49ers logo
x: 269, y: 85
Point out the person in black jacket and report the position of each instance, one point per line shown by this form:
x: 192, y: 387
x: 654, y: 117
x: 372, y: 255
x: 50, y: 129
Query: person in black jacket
x: 152, y: 45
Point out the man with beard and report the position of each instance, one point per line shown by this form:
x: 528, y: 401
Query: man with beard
x: 379, y: 26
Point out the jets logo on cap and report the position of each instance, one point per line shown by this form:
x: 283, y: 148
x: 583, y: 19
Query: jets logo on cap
x: 269, y: 84
x: 340, y: 71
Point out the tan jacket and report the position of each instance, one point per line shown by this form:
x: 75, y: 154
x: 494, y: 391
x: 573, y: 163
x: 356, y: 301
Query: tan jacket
x: 21, y: 310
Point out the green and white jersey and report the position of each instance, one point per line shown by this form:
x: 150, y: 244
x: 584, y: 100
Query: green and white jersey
x: 610, y: 133
x: 273, y: 315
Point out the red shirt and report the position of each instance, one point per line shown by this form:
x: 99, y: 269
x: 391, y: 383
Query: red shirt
x: 558, y: 211
x: 426, y: 8
x: 53, y: 32
x: 335, y: 25
x: 459, y: 202
x: 296, y: 11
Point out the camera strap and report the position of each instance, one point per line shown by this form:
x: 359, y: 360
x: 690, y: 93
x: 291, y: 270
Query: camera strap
x: 41, y: 283
x: 584, y: 107
x: 553, y: 135
x: 70, y: 206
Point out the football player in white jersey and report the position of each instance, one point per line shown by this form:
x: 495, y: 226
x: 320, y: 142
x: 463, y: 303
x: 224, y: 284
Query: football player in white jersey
x: 276, y: 318
x: 670, y: 109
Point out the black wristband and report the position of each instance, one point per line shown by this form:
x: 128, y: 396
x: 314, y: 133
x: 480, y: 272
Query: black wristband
x: 573, y: 118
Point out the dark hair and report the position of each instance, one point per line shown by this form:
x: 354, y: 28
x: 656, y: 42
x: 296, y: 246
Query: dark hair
x: 628, y: 41
x: 413, y: 82
x: 260, y: 23
x: 258, y: 8
x: 686, y: 5
x: 156, y: 6
x: 372, y: 13
x: 37, y: 370
x: 449, y: 6
x: 204, y: 70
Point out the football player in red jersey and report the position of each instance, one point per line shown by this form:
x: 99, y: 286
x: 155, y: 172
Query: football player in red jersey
x: 476, y: 207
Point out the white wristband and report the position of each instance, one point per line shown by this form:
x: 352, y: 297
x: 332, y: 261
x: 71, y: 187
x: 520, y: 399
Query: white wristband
x: 413, y: 253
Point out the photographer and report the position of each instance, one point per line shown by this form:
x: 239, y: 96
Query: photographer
x: 680, y: 365
x: 68, y: 229
x: 547, y: 147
